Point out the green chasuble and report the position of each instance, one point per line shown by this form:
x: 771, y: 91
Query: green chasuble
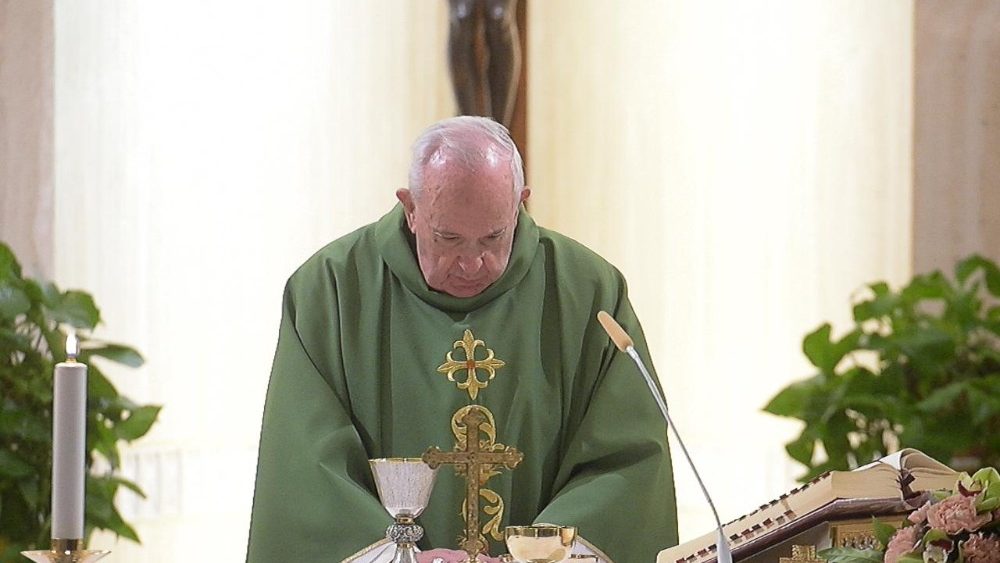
x: 356, y: 376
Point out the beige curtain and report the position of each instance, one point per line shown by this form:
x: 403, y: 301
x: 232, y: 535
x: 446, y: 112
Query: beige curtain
x: 204, y: 150
x: 747, y: 166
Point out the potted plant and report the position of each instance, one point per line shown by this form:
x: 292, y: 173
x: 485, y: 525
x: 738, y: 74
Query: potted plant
x: 920, y: 368
x: 34, y: 319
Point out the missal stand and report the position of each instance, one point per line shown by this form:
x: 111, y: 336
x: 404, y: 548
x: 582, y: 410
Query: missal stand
x: 833, y: 510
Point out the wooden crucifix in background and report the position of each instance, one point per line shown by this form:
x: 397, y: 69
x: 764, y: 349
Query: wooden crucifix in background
x: 486, y: 42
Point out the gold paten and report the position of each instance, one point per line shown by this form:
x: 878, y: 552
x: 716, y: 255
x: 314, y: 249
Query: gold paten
x: 802, y: 554
x: 490, y: 364
x: 476, y: 460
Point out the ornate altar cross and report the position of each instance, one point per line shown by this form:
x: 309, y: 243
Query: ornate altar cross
x: 476, y: 461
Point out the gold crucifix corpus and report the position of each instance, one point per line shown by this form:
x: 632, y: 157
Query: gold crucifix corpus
x: 475, y: 460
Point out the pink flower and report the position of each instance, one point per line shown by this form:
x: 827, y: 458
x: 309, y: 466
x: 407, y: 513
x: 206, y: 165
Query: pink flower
x: 902, y: 542
x: 919, y: 516
x: 957, y: 514
x: 981, y: 549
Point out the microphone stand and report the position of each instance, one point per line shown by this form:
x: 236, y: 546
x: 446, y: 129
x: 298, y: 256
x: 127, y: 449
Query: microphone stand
x: 625, y: 344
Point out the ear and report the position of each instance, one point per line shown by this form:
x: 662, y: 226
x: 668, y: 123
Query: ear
x: 405, y: 197
x: 525, y: 194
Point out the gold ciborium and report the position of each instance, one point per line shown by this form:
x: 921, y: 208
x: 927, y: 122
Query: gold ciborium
x: 404, y: 487
x: 541, y: 543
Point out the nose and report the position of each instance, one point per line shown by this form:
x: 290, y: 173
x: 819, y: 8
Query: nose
x: 470, y: 264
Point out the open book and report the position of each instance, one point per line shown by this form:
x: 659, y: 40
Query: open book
x: 894, y: 477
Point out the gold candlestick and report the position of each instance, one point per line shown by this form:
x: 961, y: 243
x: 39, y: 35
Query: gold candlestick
x: 65, y: 551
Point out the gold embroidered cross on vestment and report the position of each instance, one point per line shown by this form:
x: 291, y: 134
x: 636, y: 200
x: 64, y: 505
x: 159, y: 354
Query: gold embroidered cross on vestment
x: 472, y: 383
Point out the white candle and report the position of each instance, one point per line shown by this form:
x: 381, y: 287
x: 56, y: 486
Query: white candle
x: 69, y: 435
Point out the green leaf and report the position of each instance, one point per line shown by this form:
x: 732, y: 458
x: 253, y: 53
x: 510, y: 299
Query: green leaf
x: 987, y: 505
x: 11, y: 465
x: 884, y: 300
x: 988, y: 476
x: 883, y: 532
x: 991, y: 273
x: 10, y: 268
x: 850, y: 555
x: 816, y: 344
x: 802, y: 448
x: 793, y: 400
x: 138, y: 423
x: 51, y: 294
x: 101, y: 509
x: 825, y: 353
x: 11, y: 340
x: 930, y: 286
x: 967, y: 267
x: 76, y: 309
x: 993, y: 490
x: 28, y: 426
x: 114, y: 352
x: 943, y: 398
x: 934, y: 535
x: 29, y: 492
x: 104, y: 441
x: 13, y: 302
x: 98, y: 385
x: 130, y: 485
x: 863, y: 311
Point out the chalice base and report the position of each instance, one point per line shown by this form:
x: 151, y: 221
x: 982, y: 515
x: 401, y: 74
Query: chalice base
x: 405, y: 554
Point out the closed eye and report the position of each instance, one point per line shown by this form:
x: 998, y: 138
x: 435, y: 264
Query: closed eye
x: 446, y: 236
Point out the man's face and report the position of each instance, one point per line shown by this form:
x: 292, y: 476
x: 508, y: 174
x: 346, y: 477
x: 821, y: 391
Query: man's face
x: 464, y: 226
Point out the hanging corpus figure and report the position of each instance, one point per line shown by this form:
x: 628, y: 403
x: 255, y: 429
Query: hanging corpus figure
x: 489, y: 89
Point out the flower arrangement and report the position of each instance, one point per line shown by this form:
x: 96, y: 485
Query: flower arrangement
x: 954, y: 526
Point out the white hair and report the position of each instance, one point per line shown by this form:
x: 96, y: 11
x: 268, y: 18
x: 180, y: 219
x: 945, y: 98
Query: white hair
x: 468, y: 139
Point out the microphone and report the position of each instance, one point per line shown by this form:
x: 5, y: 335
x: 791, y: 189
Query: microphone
x: 625, y: 344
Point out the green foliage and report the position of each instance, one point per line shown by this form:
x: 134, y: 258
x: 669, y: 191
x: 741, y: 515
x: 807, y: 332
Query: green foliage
x: 851, y: 555
x: 920, y: 369
x: 33, y: 318
x: 883, y: 532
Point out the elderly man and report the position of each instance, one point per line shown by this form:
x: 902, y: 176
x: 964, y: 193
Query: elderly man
x: 457, y: 298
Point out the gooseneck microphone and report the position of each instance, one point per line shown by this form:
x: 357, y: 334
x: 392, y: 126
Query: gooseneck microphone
x: 625, y: 344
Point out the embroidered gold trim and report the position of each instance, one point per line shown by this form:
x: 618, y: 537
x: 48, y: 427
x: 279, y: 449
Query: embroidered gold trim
x: 366, y: 550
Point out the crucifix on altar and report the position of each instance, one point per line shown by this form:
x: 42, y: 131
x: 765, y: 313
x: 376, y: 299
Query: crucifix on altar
x: 476, y: 460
